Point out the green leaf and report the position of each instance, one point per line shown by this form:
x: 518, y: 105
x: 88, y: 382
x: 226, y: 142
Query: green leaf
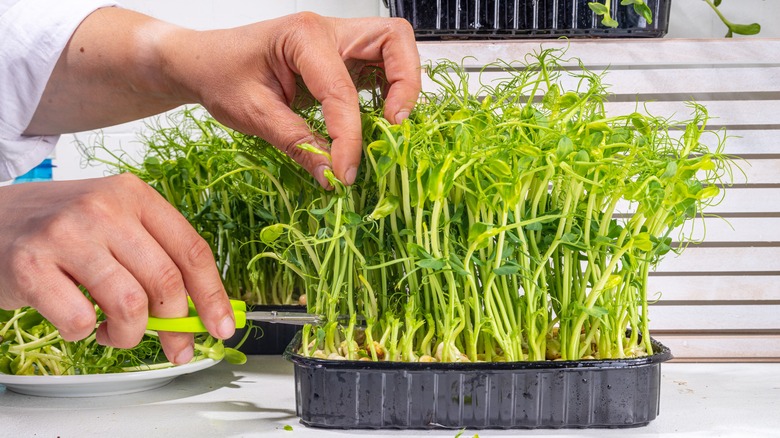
x: 595, y: 311
x: 153, y: 167
x: 671, y: 170
x: 565, y: 147
x: 640, y: 123
x: 418, y: 251
x: 663, y: 246
x: 598, y: 8
x: 247, y: 160
x: 598, y: 125
x: 643, y: 10
x: 288, y: 428
x: 581, y: 161
x: 642, y: 242
x: 534, y: 226
x: 550, y: 98
x: 434, y: 264
x: 5, y: 364
x: 264, y: 214
x: 609, y: 22
x: 507, y: 269
x: 477, y: 230
x: 745, y: 29
x: 457, y: 265
x: 234, y: 356
x: 352, y: 218
x: 386, y: 206
x: 569, y: 99
x: 270, y: 233
x: 323, y: 210
x: 708, y: 192
x: 382, y: 146
x: 440, y: 179
x: 499, y: 167
x: 383, y: 166
x: 594, y: 139
x: 613, y: 282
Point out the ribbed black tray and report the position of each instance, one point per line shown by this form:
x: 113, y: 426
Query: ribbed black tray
x: 265, y: 337
x: 506, y: 19
x: 550, y: 394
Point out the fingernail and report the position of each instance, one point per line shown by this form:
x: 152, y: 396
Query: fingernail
x: 226, y: 327
x: 184, y: 356
x: 402, y: 115
x: 319, y: 175
x: 350, y: 176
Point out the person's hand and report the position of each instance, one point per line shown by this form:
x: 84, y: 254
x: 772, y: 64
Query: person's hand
x: 116, y: 236
x: 250, y: 83
x: 121, y: 65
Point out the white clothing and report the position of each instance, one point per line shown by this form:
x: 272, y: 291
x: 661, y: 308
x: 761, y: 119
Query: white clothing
x: 33, y: 34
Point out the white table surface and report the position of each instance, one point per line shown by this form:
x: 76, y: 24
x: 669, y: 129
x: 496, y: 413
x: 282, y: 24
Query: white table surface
x: 257, y: 399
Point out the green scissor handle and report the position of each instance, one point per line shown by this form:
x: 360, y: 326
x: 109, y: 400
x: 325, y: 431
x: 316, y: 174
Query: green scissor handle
x: 192, y: 323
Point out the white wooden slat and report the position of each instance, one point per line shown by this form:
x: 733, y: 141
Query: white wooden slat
x: 756, y: 171
x: 748, y: 200
x: 763, y: 143
x: 721, y: 347
x: 634, y: 53
x: 752, y: 142
x: 759, y: 171
x: 737, y: 259
x: 735, y: 114
x: 715, y: 288
x: 715, y: 317
x: 757, y: 201
x: 732, y: 230
x: 656, y: 84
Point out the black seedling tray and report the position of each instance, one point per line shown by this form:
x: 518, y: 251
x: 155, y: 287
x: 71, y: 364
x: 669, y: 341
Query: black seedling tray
x: 266, y: 337
x: 522, y: 395
x: 506, y: 19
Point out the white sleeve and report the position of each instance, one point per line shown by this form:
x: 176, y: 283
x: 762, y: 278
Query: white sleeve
x: 33, y: 34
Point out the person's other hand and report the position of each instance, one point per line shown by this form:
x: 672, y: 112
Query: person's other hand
x: 116, y: 236
x: 246, y: 78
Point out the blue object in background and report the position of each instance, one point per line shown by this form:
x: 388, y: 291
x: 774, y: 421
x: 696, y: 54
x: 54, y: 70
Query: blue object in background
x: 41, y: 172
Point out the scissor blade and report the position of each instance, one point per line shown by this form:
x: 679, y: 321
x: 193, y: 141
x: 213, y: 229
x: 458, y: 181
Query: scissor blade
x: 275, y: 316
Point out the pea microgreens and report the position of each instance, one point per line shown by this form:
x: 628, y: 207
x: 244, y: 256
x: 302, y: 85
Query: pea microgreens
x: 31, y: 345
x: 516, y: 221
x: 492, y: 226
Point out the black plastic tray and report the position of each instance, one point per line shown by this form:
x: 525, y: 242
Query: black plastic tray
x: 265, y: 337
x: 550, y: 394
x: 506, y: 19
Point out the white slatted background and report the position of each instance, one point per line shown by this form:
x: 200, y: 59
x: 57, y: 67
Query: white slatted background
x: 719, y: 300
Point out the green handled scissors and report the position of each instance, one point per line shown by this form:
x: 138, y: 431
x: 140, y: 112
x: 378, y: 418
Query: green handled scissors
x: 193, y: 324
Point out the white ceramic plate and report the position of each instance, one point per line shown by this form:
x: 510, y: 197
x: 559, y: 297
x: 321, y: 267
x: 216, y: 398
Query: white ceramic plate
x: 92, y: 385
